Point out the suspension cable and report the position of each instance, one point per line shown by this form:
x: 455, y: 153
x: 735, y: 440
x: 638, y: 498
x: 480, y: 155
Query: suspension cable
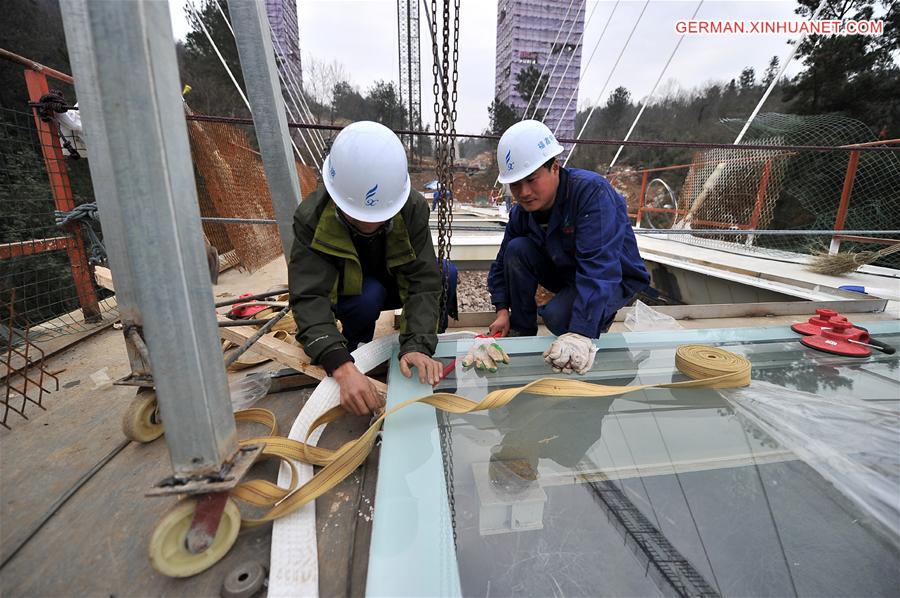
x: 647, y: 98
x: 611, y: 73
x: 291, y: 88
x: 777, y: 77
x: 190, y: 6
x: 301, y: 94
x: 568, y: 64
x: 544, y: 67
x: 193, y: 10
x: 281, y: 77
x: 588, y: 64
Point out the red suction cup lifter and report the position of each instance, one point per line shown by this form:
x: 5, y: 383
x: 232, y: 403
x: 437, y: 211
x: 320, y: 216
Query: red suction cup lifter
x: 816, y: 323
x: 824, y: 318
x: 840, y: 340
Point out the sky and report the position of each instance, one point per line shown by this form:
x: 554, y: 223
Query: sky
x: 362, y: 36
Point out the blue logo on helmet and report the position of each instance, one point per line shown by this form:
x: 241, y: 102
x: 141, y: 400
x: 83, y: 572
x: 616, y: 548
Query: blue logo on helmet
x: 370, y: 196
x: 331, y: 171
x: 509, y: 163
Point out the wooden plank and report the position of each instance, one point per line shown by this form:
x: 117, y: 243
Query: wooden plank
x: 103, y: 276
x: 284, y: 353
x: 344, y: 517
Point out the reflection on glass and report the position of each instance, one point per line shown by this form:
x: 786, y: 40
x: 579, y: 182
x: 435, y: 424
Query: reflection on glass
x: 658, y: 492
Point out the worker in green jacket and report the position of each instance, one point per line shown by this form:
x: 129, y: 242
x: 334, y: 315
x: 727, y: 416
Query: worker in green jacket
x: 362, y: 244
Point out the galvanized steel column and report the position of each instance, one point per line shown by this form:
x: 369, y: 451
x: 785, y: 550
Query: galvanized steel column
x: 126, y: 78
x: 254, y: 44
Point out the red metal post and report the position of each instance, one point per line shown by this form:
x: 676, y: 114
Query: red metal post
x: 642, y: 199
x: 852, y: 163
x: 48, y: 133
x: 761, y: 194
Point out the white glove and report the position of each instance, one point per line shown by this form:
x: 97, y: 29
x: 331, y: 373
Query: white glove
x: 571, y: 352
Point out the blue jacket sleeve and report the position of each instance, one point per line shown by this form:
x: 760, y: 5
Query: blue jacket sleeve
x: 496, y: 277
x: 599, y: 238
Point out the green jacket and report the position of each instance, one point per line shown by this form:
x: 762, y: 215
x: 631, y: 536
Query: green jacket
x: 324, y: 264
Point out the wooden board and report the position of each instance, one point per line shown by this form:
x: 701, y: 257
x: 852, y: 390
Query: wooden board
x: 284, y: 353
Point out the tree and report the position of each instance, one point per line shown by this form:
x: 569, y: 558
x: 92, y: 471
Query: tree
x: 855, y: 75
x: 747, y: 80
x: 346, y: 102
x: 617, y: 105
x: 383, y: 104
x: 319, y: 80
x: 771, y: 71
x: 502, y: 116
x: 530, y: 85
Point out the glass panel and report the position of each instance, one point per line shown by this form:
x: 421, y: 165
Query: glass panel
x: 659, y: 491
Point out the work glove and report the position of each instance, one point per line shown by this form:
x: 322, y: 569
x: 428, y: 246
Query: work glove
x: 571, y: 352
x: 485, y: 354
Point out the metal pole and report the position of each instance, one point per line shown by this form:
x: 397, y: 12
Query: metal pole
x: 852, y: 164
x: 760, y: 199
x: 641, y: 200
x: 254, y: 44
x: 61, y: 190
x: 126, y: 77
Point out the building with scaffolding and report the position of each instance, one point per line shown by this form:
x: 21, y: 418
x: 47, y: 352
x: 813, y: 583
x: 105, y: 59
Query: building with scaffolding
x: 286, y: 37
x: 546, y: 34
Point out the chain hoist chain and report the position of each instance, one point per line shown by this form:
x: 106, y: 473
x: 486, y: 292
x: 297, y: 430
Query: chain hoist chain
x: 445, y: 98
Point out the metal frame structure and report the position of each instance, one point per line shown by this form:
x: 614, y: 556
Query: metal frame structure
x: 36, y: 78
x: 123, y: 59
x: 410, y: 58
x: 257, y: 55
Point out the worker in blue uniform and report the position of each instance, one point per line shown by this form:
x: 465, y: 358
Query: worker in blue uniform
x: 569, y: 232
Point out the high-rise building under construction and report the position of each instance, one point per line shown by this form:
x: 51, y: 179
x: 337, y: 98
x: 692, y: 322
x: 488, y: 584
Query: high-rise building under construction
x: 546, y: 34
x: 286, y: 37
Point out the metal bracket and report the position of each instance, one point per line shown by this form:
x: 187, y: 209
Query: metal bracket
x: 133, y: 379
x: 205, y: 522
x: 227, y: 478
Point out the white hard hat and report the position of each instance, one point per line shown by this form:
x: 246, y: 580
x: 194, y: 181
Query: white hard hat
x: 523, y: 148
x: 365, y: 173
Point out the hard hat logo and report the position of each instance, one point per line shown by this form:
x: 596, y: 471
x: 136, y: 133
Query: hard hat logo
x: 332, y: 172
x: 534, y: 144
x: 370, y: 196
x: 509, y: 163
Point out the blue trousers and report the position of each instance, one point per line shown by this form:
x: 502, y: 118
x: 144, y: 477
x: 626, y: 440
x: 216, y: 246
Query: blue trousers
x: 358, y: 313
x: 525, y: 266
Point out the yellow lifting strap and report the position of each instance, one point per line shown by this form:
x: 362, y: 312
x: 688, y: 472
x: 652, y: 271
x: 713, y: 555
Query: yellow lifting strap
x: 709, y: 367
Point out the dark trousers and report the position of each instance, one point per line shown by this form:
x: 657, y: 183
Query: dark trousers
x: 525, y: 266
x: 358, y: 313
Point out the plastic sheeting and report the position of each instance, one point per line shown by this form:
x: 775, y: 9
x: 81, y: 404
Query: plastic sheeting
x: 853, y: 444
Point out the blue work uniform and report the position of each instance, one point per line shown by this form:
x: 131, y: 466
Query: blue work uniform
x: 584, y: 251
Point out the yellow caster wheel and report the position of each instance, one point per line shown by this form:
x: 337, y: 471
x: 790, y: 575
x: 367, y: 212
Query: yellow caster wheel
x: 169, y: 553
x: 141, y: 421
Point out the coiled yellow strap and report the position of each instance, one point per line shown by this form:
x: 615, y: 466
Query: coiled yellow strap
x: 708, y: 367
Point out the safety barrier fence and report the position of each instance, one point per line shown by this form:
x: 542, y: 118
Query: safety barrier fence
x: 805, y: 195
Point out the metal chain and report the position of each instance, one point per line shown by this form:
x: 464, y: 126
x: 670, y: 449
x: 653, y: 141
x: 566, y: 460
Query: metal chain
x: 445, y: 137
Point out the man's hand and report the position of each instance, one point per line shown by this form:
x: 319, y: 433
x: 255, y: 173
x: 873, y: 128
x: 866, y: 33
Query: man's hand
x: 358, y: 395
x: 571, y: 352
x: 485, y: 354
x: 501, y: 323
x: 429, y: 369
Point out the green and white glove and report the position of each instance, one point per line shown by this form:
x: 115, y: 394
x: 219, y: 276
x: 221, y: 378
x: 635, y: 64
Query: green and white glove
x: 485, y: 354
x: 571, y: 352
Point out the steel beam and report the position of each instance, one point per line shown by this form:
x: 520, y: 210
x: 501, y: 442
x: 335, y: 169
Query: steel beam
x: 126, y: 78
x: 254, y: 44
